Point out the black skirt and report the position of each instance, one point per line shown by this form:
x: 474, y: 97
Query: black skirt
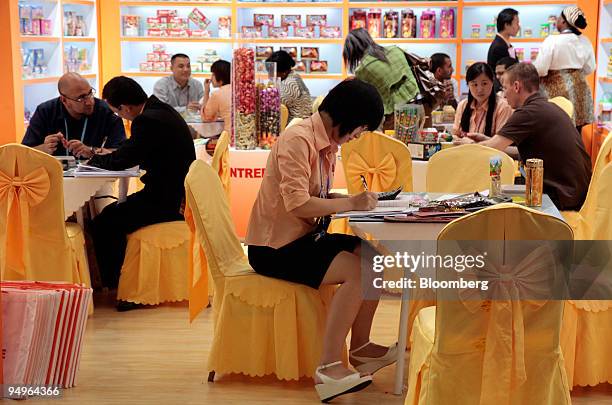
x: 303, y: 261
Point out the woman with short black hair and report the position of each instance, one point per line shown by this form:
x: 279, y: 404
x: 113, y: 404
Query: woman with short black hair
x: 218, y: 104
x: 385, y: 68
x: 294, y: 93
x: 564, y: 62
x: 287, y: 235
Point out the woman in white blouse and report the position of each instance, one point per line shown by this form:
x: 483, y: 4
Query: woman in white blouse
x: 563, y: 63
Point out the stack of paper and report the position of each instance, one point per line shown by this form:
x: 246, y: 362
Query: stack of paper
x: 401, y: 205
x: 84, y: 170
x: 42, y: 335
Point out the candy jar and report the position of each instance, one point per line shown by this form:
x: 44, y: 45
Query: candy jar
x: 243, y: 99
x: 268, y: 104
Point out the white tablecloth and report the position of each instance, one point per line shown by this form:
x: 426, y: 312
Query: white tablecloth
x: 78, y: 191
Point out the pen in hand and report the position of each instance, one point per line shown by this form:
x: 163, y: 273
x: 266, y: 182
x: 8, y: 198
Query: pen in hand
x: 363, y: 181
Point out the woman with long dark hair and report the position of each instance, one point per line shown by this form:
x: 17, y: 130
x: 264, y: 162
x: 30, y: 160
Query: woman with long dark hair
x: 385, y: 68
x: 483, y: 112
x: 563, y: 63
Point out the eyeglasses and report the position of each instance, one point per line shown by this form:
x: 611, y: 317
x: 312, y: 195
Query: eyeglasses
x: 82, y: 99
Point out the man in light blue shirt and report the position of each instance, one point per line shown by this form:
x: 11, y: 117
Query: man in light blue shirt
x: 180, y: 90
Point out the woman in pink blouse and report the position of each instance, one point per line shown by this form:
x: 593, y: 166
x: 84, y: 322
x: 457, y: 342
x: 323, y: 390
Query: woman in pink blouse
x: 487, y: 113
x: 219, y: 104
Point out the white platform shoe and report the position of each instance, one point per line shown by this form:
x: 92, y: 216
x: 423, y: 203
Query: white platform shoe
x: 370, y: 365
x: 330, y: 388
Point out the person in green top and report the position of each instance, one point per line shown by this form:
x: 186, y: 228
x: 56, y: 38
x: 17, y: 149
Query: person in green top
x: 385, y: 68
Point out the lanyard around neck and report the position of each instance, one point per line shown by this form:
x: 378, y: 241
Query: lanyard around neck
x: 82, y: 132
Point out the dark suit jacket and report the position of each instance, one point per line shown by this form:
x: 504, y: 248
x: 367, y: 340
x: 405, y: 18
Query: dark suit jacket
x: 497, y: 51
x: 162, y: 145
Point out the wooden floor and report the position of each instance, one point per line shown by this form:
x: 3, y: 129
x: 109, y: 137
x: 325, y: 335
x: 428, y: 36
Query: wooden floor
x: 153, y: 356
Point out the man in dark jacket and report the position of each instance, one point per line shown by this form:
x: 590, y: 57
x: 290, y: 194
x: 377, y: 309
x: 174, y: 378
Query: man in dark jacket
x: 507, y: 26
x: 161, y: 144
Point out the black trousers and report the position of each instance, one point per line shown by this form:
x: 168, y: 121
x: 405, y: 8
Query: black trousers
x: 116, y: 221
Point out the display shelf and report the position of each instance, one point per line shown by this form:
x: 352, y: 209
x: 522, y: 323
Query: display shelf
x: 38, y: 38
x: 402, y: 4
x: 417, y: 40
x: 606, y: 40
x: 79, y: 2
x: 291, y: 40
x: 162, y: 74
x: 489, y: 40
x: 517, y: 3
x: 249, y: 4
x: 174, y: 39
x: 606, y: 80
x: 37, y: 80
x: 176, y: 3
x: 79, y: 39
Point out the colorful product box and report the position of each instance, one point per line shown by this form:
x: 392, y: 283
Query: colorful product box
x: 308, y: 52
x: 291, y: 20
x: 319, y: 66
x: 278, y: 32
x: 225, y: 26
x: 331, y: 32
x: 199, y: 19
x: 316, y: 20
x: 263, y: 52
x: 251, y: 32
x: 291, y: 50
x: 305, y: 32
x: 263, y: 20
x: 131, y: 25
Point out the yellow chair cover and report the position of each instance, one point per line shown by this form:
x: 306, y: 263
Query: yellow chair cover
x: 316, y: 103
x: 220, y: 161
x: 465, y: 169
x: 284, y: 117
x: 77, y: 244
x: 470, y: 351
x: 34, y: 244
x: 263, y: 325
x: 587, y: 324
x: 583, y: 221
x: 384, y: 162
x: 156, y: 264
x: 564, y: 104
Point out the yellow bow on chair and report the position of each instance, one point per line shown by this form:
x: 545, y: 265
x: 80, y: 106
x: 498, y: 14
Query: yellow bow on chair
x: 503, y: 365
x: 379, y: 178
x: 20, y: 193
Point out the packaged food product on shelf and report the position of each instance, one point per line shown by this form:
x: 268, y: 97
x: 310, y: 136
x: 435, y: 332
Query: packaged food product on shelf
x: 552, y: 21
x: 225, y: 26
x: 490, y: 31
x: 251, y: 32
x: 291, y: 20
x: 291, y: 50
x: 75, y: 60
x: 447, y: 23
x: 198, y: 18
x: 358, y: 19
x: 244, y: 99
x: 131, y: 26
x: 544, y: 30
x: 305, y: 32
x: 475, y: 31
x: 331, y: 32
x: 316, y: 20
x: 409, y: 24
x: 263, y: 52
x: 74, y: 24
x: 167, y: 13
x: 318, y: 66
x: 309, y: 52
x: 33, y: 63
x: 278, y: 32
x: 528, y: 32
x: 428, y: 24
x: 268, y: 104
x: 534, y: 53
x: 263, y: 20
x: 520, y: 54
x: 193, y: 33
x: 408, y: 120
x: 391, y: 23
x: 33, y: 22
x: 374, y: 22
x: 300, y: 66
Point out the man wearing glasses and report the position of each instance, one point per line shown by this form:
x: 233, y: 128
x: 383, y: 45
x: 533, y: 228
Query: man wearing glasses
x: 76, y: 123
